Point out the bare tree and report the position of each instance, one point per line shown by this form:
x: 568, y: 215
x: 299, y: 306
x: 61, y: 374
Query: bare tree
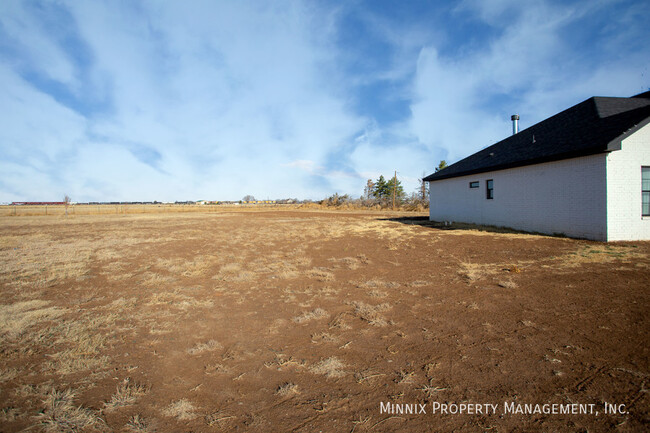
x: 369, y: 190
x: 67, y: 200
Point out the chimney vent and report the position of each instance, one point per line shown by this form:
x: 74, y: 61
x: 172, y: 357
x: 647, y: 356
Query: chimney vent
x: 515, y: 123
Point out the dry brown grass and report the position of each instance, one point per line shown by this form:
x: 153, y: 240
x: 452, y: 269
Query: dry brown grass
x: 138, y: 424
x: 599, y: 253
x: 62, y: 415
x: 220, y: 419
x: 17, y: 318
x: 331, y: 367
x: 473, y: 272
x: 127, y: 393
x: 287, y: 389
x: 182, y: 410
x: 370, y: 313
x: 321, y: 274
x: 377, y: 284
x: 9, y: 414
x: 209, y: 346
x: 315, y: 314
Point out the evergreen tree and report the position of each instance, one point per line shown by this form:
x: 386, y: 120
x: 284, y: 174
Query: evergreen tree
x: 399, y: 189
x: 380, y: 191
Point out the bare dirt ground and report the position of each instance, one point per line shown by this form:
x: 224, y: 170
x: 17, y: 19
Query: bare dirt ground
x: 314, y: 321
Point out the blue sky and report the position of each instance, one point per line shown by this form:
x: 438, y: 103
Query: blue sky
x: 123, y: 100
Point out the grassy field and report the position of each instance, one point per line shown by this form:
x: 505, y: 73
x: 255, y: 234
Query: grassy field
x: 313, y: 321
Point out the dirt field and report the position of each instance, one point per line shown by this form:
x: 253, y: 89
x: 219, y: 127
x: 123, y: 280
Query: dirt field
x: 316, y: 321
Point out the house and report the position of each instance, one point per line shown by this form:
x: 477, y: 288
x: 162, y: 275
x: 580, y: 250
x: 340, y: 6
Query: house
x: 584, y: 172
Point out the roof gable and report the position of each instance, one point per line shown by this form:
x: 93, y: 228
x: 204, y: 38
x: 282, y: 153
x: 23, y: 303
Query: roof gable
x: 593, y: 126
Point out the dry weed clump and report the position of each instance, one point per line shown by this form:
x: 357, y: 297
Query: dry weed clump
x: 126, y: 394
x: 219, y: 418
x: 370, y: 313
x: 351, y: 263
x: 323, y: 337
x: 377, y: 284
x: 62, y: 415
x: 588, y: 254
x: 182, y: 410
x: 138, y: 424
x: 80, y: 343
x: 287, y: 389
x: 321, y: 274
x: 473, y: 272
x: 8, y: 414
x: 331, y: 367
x: 17, y: 318
x: 204, y: 347
x: 318, y: 313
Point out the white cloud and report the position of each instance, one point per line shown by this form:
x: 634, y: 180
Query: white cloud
x: 529, y: 62
x: 216, y: 100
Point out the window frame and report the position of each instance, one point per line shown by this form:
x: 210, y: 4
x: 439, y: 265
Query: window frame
x: 489, y: 189
x: 475, y: 184
x: 645, y: 192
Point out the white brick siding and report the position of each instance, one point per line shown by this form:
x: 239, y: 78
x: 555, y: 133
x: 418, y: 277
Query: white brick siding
x: 624, y: 220
x: 565, y: 196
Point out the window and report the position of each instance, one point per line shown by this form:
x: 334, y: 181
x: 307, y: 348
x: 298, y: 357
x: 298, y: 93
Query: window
x: 474, y: 184
x: 645, y: 190
x: 489, y: 187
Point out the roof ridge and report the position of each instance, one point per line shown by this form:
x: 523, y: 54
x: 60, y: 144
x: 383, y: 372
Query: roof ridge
x: 589, y: 127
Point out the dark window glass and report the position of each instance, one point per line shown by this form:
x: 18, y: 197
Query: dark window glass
x: 474, y: 184
x: 645, y: 191
x: 489, y: 186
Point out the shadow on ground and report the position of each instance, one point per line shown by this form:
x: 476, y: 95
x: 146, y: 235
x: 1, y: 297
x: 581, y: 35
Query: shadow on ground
x: 441, y: 225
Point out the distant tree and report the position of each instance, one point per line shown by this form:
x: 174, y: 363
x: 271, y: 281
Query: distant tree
x: 67, y: 200
x: 394, y: 185
x: 424, y: 189
x: 443, y: 164
x: 336, y: 200
x: 248, y: 198
x: 369, y: 190
x: 381, y: 188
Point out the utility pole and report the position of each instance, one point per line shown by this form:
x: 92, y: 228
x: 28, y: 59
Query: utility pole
x: 394, y: 188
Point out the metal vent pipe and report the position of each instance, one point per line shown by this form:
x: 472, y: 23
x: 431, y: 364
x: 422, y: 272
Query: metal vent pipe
x: 515, y: 123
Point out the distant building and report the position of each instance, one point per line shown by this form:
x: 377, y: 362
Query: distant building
x: 584, y: 172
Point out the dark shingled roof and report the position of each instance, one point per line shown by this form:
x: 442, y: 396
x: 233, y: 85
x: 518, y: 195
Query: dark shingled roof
x: 594, y: 126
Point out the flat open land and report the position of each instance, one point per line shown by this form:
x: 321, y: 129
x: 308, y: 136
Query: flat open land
x: 316, y: 321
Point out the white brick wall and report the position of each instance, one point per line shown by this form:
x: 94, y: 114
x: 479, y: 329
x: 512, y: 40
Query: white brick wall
x: 557, y: 197
x: 624, y: 221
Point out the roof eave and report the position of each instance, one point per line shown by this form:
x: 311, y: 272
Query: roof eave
x: 616, y: 143
x: 595, y: 151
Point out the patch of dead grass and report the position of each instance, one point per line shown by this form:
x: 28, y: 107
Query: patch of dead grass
x: 209, y: 346
x: 320, y: 274
x: 324, y: 337
x: 473, y: 272
x: 126, y: 394
x: 597, y: 253
x: 138, y: 424
x: 315, y: 314
x: 287, y: 389
x: 182, y: 410
x: 62, y: 415
x: 17, y: 318
x: 331, y: 367
x: 370, y: 313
